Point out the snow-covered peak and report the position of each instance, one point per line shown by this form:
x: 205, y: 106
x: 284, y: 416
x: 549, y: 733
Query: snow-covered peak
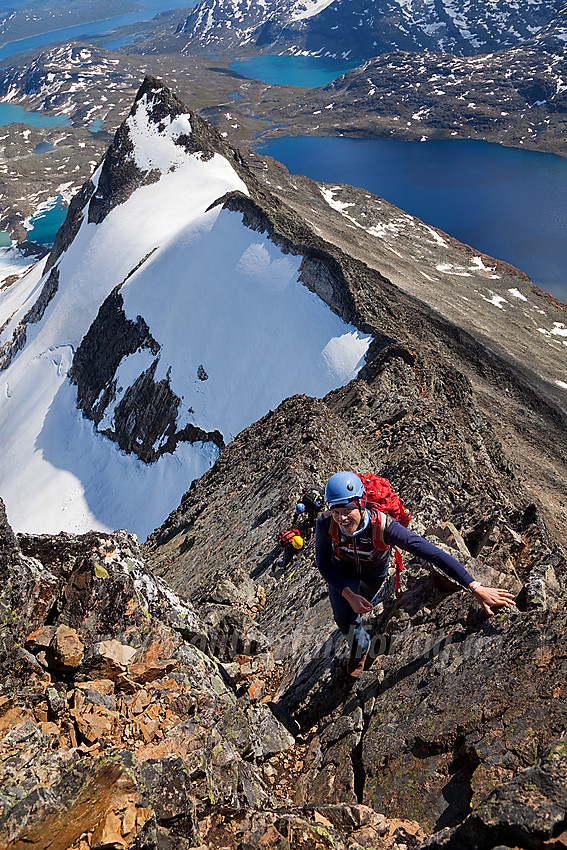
x: 155, y: 332
x: 359, y: 29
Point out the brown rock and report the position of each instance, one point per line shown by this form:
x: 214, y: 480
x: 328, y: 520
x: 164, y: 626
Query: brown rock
x: 129, y: 818
x: 102, y: 686
x: 13, y: 717
x: 108, y: 833
x: 148, y: 729
x: 117, y: 655
x: 272, y: 839
x: 256, y: 690
x: 67, y: 647
x: 51, y: 730
x: 40, y: 713
x: 40, y: 638
x: 144, y: 672
x: 93, y: 726
x: 85, y: 803
x: 138, y: 702
x: 449, y: 534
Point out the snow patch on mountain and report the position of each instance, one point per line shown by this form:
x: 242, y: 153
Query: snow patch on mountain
x: 307, y: 8
x: 157, y: 148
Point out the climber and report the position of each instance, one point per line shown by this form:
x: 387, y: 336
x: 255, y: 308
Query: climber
x: 291, y: 542
x: 355, y: 563
x: 310, y: 505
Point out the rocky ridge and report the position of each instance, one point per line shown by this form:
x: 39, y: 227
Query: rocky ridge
x: 458, y: 710
x: 131, y: 717
x: 119, y: 728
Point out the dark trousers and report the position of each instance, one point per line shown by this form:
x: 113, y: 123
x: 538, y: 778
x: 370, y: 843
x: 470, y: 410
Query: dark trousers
x: 348, y: 621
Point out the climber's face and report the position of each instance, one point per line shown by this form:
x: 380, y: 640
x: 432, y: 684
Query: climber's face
x: 348, y: 517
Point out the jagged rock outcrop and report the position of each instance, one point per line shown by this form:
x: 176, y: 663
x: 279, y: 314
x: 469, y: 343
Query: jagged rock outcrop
x: 116, y: 724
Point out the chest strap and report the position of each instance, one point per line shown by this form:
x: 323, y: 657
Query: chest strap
x: 378, y: 524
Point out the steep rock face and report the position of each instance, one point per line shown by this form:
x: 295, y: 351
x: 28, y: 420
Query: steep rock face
x: 456, y: 706
x: 531, y: 806
x: 148, y: 409
x: 19, y: 335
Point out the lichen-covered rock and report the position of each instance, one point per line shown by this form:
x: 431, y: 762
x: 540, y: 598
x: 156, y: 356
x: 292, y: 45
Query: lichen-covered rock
x: 527, y: 811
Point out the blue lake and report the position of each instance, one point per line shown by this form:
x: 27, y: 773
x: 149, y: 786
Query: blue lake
x: 302, y: 71
x: 43, y: 147
x: 505, y: 202
x: 82, y: 31
x: 45, y: 224
x: 12, y: 114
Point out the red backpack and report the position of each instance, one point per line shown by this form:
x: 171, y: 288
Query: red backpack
x: 381, y: 497
x: 285, y: 537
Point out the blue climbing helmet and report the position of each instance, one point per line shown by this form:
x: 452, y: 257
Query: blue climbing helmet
x: 342, y: 488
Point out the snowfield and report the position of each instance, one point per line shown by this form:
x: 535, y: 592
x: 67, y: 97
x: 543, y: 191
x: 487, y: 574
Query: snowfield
x: 238, y: 334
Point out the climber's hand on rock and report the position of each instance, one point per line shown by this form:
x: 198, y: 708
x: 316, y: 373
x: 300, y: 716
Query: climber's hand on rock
x: 493, y: 597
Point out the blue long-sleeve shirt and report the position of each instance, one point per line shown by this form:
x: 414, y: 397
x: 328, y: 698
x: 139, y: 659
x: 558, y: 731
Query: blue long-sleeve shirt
x: 335, y: 571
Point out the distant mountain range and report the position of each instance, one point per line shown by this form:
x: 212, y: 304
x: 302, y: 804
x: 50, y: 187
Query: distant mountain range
x: 359, y: 30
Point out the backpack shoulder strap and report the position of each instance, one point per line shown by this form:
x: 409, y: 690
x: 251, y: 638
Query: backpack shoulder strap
x: 378, y: 530
x: 333, y: 530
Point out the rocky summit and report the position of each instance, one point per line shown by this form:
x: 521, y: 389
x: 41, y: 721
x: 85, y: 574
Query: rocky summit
x: 191, y: 691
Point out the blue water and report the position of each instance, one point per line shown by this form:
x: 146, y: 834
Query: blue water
x: 117, y: 43
x: 150, y: 9
x: 95, y: 125
x: 505, y: 202
x: 303, y: 71
x: 12, y: 114
x: 45, y: 225
x: 43, y: 147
